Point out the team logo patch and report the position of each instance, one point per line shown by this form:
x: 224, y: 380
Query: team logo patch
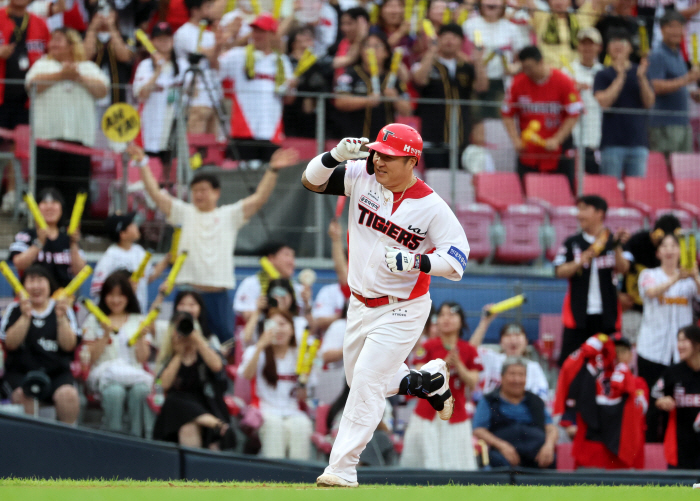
x: 459, y: 256
x: 369, y: 203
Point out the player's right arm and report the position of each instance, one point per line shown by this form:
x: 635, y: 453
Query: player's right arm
x: 323, y: 174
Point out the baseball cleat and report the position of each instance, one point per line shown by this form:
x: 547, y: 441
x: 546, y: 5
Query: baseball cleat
x: 330, y: 480
x: 441, y: 399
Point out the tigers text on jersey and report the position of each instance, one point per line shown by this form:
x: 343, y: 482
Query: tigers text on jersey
x: 420, y: 222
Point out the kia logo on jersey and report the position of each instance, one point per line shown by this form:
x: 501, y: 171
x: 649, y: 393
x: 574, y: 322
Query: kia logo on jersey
x: 369, y: 203
x: 391, y: 230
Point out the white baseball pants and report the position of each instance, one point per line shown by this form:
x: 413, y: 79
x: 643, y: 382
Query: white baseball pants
x: 377, y: 342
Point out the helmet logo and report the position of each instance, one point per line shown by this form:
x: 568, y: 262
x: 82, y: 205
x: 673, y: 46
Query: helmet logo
x: 387, y: 133
x: 408, y: 149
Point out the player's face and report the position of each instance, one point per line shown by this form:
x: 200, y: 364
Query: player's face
x: 38, y: 288
x: 189, y: 305
x: 514, y: 343
x: 284, y: 261
x: 393, y: 173
x: 513, y: 381
x: 204, y: 196
x: 51, y: 210
x: 284, y: 331
x: 163, y: 44
x: 448, y: 321
x: 116, y: 301
x: 669, y: 251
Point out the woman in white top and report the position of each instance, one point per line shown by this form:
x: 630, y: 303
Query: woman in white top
x: 64, y: 89
x: 667, y: 293
x: 501, y: 41
x: 157, y: 83
x: 513, y: 342
x: 116, y: 371
x: 286, y: 429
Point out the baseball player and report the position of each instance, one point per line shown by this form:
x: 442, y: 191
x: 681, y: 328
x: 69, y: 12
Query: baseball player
x: 400, y: 233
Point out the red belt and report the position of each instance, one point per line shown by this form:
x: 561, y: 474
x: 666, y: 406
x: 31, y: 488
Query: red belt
x: 373, y: 302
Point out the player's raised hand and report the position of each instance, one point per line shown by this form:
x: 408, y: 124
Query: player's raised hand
x: 399, y: 260
x: 349, y: 149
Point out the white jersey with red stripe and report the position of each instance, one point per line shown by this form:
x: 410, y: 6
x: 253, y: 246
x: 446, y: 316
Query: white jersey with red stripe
x: 420, y: 222
x: 257, y: 108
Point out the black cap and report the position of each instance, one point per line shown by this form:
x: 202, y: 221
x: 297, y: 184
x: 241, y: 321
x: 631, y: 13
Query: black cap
x: 620, y: 340
x: 670, y: 16
x: 117, y: 223
x: 161, y: 28
x: 619, y: 34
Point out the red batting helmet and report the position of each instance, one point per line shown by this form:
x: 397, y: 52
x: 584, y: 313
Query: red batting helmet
x: 397, y: 140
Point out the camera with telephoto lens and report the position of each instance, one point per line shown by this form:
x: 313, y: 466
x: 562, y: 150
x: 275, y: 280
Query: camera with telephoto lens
x: 184, y: 323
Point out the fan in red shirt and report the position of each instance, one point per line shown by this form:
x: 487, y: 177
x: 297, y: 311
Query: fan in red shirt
x: 433, y: 443
x: 548, y: 105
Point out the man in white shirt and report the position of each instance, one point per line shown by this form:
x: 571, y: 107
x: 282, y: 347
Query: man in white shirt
x: 209, y: 232
x: 587, y: 130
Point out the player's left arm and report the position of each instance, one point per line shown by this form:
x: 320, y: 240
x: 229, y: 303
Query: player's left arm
x: 451, y: 249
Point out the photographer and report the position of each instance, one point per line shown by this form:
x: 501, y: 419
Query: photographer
x: 191, y: 373
x: 286, y: 429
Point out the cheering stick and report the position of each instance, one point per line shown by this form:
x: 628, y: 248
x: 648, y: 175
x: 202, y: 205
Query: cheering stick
x: 600, y: 242
x: 139, y: 272
x: 447, y: 16
x: 202, y: 28
x: 422, y: 9
x: 478, y: 39
x: 643, y: 40
x: 14, y: 282
x: 145, y: 41
x: 684, y: 252
x: 531, y: 133
x: 688, y: 248
x: 230, y: 5
x: 302, y: 351
x: 255, y: 5
x: 98, y: 314
x: 77, y: 213
x: 463, y: 16
x: 145, y: 324
x: 177, y: 265
x: 311, y: 355
x: 409, y: 7
x: 269, y: 268
x: 692, y: 251
x: 74, y: 285
x: 374, y: 71
x: 277, y: 9
x: 694, y: 41
x: 36, y: 213
x: 429, y: 29
x: 565, y: 62
x: 307, y: 60
x: 175, y: 242
x: 506, y: 304
x: 394, y: 69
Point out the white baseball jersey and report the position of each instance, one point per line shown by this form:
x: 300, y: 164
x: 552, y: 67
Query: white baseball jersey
x: 663, y: 316
x: 421, y: 222
x: 185, y: 42
x: 115, y: 258
x: 490, y: 377
x: 329, y: 301
x: 257, y: 109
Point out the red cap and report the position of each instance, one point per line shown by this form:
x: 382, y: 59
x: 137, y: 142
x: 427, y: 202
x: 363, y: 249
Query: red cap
x: 398, y: 140
x: 265, y: 22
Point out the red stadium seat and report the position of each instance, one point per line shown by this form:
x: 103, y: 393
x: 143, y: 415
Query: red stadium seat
x: 654, y: 458
x: 476, y: 219
x: 685, y: 166
x: 627, y: 218
x: 498, y: 189
x: 607, y: 187
x: 320, y: 437
x: 564, y: 222
x: 440, y: 180
x: 521, y: 225
x: 305, y: 146
x: 565, y: 461
x: 550, y: 325
x: 214, y: 150
x: 657, y: 168
x: 647, y: 195
x: 549, y: 189
x: 688, y: 195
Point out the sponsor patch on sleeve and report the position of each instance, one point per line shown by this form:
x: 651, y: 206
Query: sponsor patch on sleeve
x: 459, y: 256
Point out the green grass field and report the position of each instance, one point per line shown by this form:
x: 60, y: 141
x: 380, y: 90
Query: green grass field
x: 67, y: 490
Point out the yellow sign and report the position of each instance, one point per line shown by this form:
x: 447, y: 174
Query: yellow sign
x: 121, y: 123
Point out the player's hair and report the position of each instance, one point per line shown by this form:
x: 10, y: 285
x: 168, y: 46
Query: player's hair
x: 509, y: 326
x: 511, y: 361
x: 595, y: 201
x: 39, y: 270
x: 194, y: 4
x: 269, y: 371
x: 668, y: 223
x: 273, y: 247
x: 453, y: 28
x: 119, y: 278
x: 356, y: 13
x: 292, y: 37
x: 456, y: 308
x: 205, y: 177
x: 530, y: 52
x: 691, y: 333
x: 202, y: 318
x: 287, y: 285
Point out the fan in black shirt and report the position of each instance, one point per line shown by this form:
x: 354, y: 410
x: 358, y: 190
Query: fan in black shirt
x: 39, y: 334
x: 52, y: 248
x: 678, y: 393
